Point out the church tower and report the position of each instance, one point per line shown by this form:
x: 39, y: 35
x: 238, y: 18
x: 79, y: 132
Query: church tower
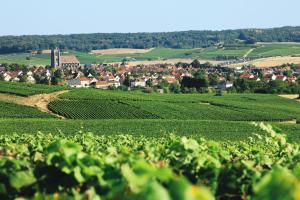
x: 55, y: 58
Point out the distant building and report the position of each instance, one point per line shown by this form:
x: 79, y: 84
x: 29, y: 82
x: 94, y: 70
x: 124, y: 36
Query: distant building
x: 55, y: 58
x: 69, y: 62
x: 138, y: 83
x: 225, y: 85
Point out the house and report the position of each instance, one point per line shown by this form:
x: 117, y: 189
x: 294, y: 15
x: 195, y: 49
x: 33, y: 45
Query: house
x: 30, y: 79
x: 13, y: 76
x: 138, y: 83
x: 292, y: 79
x: 247, y: 76
x: 102, y: 85
x: 6, y: 76
x: 224, y: 85
x: 270, y: 77
x: 170, y: 79
x: 74, y: 83
x: 114, y: 83
x: 84, y: 81
x: 281, y: 77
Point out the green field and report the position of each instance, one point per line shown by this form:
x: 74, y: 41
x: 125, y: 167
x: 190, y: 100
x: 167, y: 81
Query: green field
x: 262, y: 50
x: 209, y: 129
x: 11, y: 110
x: 270, y: 50
x: 99, y: 104
x: 133, y: 145
x: 24, y: 89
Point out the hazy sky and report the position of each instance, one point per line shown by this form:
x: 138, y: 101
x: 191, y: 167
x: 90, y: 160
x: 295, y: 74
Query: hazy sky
x: 19, y: 17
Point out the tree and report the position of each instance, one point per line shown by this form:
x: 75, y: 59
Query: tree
x: 175, y: 88
x: 24, y: 78
x: 2, y: 77
x: 196, y: 63
x: 194, y: 82
x: 213, y: 79
x: 288, y: 73
x: 58, y: 77
x: 149, y: 83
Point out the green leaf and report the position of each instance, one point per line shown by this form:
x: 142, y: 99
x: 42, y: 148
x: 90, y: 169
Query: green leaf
x: 21, y: 179
x: 2, y: 188
x: 154, y: 191
x: 78, y: 175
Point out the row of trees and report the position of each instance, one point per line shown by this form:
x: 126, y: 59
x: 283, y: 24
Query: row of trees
x: 185, y: 39
x: 271, y: 87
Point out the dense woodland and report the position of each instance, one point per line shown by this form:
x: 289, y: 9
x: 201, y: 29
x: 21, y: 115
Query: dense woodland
x: 185, y: 39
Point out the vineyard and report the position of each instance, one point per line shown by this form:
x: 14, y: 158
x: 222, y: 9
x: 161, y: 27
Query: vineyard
x: 95, y: 104
x: 135, y: 146
x: 98, y: 109
x: 24, y: 89
x: 211, y: 129
x: 91, y: 166
x: 11, y: 110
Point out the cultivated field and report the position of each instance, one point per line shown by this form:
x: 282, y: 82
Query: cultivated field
x: 132, y: 145
x: 286, y: 51
x: 120, y: 51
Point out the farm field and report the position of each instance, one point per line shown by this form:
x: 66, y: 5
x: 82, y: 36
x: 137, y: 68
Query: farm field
x: 210, y: 129
x: 162, y: 54
x: 271, y: 50
x: 24, y: 89
x: 134, y: 145
x: 120, y: 51
x: 11, y: 110
x: 230, y: 107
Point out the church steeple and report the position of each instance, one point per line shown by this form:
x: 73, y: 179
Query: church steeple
x: 55, y: 58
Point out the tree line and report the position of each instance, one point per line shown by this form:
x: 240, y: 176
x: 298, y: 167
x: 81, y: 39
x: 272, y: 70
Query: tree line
x: 184, y: 39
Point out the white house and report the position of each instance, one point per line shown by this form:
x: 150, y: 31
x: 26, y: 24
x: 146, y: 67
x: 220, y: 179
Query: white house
x: 102, y: 85
x: 114, y: 83
x: 30, y: 79
x: 224, y: 85
x: 84, y: 81
x: 138, y: 83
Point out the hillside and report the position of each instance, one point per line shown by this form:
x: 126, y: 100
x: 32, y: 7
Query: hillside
x: 184, y: 39
x: 289, y: 53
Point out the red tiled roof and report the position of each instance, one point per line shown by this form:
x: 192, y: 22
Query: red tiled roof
x: 102, y: 83
x: 69, y: 59
x: 245, y: 76
x: 280, y: 77
x: 84, y: 79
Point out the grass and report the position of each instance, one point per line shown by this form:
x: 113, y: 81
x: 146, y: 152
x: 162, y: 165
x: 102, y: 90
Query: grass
x: 264, y: 50
x: 20, y: 58
x: 270, y: 50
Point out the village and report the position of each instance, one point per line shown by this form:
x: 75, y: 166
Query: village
x: 67, y: 70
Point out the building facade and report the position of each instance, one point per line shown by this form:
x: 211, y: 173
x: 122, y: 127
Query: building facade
x: 69, y: 62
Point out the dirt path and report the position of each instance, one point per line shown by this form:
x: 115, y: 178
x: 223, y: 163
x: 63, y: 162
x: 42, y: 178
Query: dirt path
x: 291, y: 96
x: 248, y: 52
x: 39, y: 101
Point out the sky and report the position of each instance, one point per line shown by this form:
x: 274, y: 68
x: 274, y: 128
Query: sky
x: 44, y: 17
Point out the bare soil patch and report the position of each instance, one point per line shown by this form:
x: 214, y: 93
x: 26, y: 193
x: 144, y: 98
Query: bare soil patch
x: 272, y: 61
x: 167, y: 61
x: 120, y: 51
x: 289, y: 96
